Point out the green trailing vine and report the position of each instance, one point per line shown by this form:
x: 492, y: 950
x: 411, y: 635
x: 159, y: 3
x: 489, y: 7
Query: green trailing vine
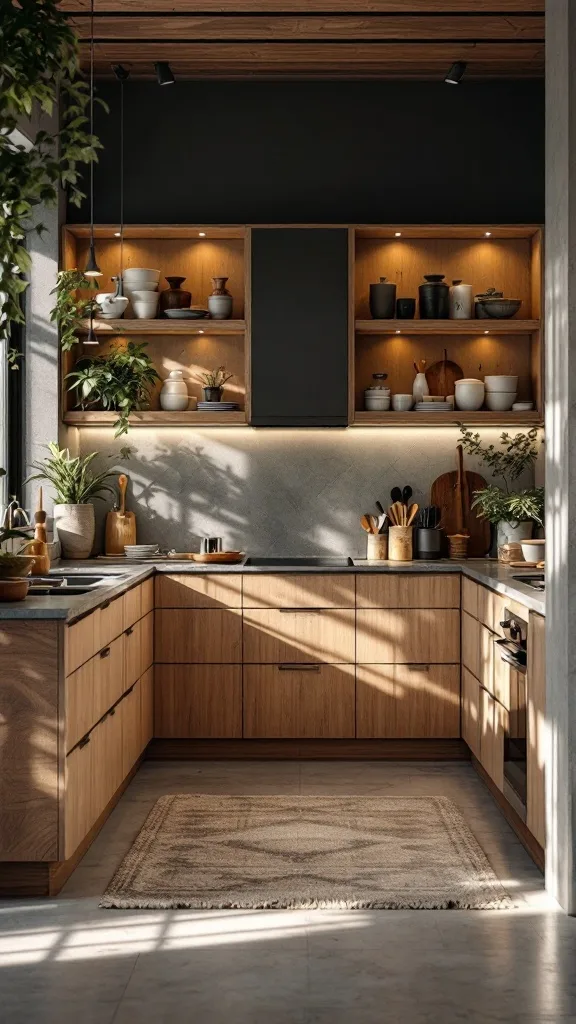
x: 39, y: 66
x: 69, y: 311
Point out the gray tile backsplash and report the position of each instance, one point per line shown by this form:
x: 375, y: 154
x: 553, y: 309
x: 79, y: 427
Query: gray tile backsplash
x: 272, y: 491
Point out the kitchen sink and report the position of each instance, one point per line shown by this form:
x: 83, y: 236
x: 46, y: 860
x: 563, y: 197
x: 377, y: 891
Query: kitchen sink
x: 313, y: 561
x: 43, y: 590
x: 60, y: 583
x: 536, y: 581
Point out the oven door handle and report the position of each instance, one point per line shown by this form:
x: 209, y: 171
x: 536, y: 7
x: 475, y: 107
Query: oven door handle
x: 512, y: 654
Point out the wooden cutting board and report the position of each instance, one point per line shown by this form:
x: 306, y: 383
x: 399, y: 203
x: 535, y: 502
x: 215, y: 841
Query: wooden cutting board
x: 444, y: 494
x: 443, y: 375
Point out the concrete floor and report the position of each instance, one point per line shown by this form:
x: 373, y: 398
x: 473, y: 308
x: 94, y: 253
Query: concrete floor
x: 64, y: 961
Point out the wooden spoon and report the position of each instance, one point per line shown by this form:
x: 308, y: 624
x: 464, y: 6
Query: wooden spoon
x: 412, y: 513
x: 122, y: 485
x: 366, y: 523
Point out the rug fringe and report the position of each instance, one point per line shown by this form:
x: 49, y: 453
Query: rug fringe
x: 170, y: 903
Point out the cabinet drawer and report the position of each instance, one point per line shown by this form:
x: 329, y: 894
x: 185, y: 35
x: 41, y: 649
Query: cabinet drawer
x: 188, y: 591
x: 147, y: 641
x: 471, y: 643
x: 93, y: 774
x: 92, y: 689
x: 298, y: 701
x: 492, y: 737
x: 401, y: 590
x: 129, y: 711
x: 306, y: 635
x: 147, y: 706
x: 132, y: 606
x: 408, y: 635
x: 471, y: 712
x: 132, y: 653
x: 407, y: 701
x: 470, y: 597
x: 494, y: 673
x: 147, y: 596
x: 201, y: 635
x: 110, y: 621
x: 198, y: 701
x: 491, y: 608
x: 81, y: 642
x: 299, y: 591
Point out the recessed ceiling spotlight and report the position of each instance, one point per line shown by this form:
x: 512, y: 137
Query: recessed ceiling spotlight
x: 164, y: 73
x: 456, y: 73
x: 397, y: 234
x: 487, y: 234
x: 202, y: 234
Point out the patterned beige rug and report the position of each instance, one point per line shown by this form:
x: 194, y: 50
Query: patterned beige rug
x: 305, y: 852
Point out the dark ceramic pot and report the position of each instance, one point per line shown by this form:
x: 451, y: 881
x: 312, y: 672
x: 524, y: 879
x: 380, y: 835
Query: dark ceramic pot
x: 434, y: 298
x: 382, y: 300
x: 405, y: 309
x: 428, y: 543
x: 175, y: 297
x: 212, y: 394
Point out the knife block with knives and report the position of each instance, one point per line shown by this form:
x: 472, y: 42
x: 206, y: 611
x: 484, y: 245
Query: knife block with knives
x: 120, y: 524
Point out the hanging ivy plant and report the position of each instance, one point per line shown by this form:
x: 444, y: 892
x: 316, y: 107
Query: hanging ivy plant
x: 39, y: 66
x: 70, y: 311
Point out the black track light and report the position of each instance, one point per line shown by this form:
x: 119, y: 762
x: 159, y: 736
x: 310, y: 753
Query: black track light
x: 456, y: 73
x: 120, y: 71
x: 164, y: 73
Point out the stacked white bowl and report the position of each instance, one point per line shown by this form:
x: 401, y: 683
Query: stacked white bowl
x: 501, y: 392
x: 141, y: 287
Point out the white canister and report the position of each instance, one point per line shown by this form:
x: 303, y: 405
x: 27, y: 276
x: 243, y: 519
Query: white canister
x: 469, y: 394
x: 174, y: 394
x: 377, y: 399
x: 461, y: 301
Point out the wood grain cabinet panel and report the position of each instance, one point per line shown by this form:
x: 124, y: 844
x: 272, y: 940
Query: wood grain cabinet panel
x: 492, y: 737
x: 187, y: 591
x: 81, y: 641
x: 410, y: 636
x: 487, y: 658
x: 408, y: 701
x: 93, y: 689
x: 307, y: 590
x: 132, y: 653
x: 471, y: 644
x: 402, y: 590
x: 198, y: 635
x: 147, y: 707
x: 536, y: 727
x: 110, y: 621
x: 470, y: 597
x: 299, y: 701
x: 200, y: 701
x: 147, y: 642
x: 147, y: 599
x: 93, y: 774
x: 132, y: 606
x: 274, y: 636
x: 471, y: 712
x: 129, y: 711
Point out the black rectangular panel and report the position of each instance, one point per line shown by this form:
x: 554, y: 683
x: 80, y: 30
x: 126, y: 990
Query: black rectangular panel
x: 299, y: 327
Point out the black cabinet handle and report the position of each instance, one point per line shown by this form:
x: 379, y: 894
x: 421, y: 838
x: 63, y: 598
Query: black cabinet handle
x: 105, y: 653
x: 289, y: 667
x: 84, y: 741
x: 129, y: 631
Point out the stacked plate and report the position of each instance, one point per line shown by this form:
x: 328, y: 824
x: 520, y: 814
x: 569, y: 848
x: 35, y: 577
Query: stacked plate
x: 140, y: 550
x: 434, y: 407
x: 216, y: 406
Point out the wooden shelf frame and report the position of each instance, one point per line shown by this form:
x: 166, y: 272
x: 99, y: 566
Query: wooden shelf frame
x: 160, y: 327
x: 158, y: 418
x: 447, y: 327
x: 447, y: 419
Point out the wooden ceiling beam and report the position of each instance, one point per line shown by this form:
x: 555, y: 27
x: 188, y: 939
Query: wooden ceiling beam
x: 308, y: 6
x: 320, y: 27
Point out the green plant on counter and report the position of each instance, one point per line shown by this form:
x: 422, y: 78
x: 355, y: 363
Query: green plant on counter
x: 120, y: 381
x: 215, y: 378
x: 507, y: 462
x: 69, y: 311
x: 39, y: 66
x: 72, y: 478
x: 8, y: 558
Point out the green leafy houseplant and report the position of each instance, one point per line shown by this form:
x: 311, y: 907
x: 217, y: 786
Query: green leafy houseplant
x: 215, y: 378
x: 39, y: 66
x: 72, y: 478
x: 508, y: 461
x: 121, y: 381
x: 69, y: 311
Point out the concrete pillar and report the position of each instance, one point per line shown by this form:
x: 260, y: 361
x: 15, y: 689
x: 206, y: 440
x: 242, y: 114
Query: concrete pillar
x: 560, y: 313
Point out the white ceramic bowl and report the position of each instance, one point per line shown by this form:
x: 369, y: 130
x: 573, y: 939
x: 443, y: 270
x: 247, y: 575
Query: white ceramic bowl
x: 111, y: 306
x: 501, y: 382
x: 144, y: 310
x: 469, y: 394
x: 377, y: 403
x: 145, y: 295
x: 135, y: 276
x: 500, y: 401
x: 533, y: 550
x: 402, y: 403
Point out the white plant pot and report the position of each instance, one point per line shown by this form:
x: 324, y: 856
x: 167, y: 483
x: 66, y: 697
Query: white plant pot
x: 513, y: 532
x: 75, y: 526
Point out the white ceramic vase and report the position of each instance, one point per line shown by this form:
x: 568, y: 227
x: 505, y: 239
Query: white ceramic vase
x: 513, y: 532
x: 75, y: 526
x: 461, y: 301
x: 174, y: 394
x: 420, y: 387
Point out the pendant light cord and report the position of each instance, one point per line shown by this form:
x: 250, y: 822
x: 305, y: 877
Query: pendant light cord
x: 92, y: 119
x: 121, y: 184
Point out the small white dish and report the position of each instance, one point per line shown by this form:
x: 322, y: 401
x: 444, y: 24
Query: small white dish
x: 134, y: 276
x: 522, y: 406
x: 500, y: 401
x: 402, y: 403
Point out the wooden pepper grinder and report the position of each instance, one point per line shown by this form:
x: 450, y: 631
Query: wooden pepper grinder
x: 120, y: 524
x: 38, y: 548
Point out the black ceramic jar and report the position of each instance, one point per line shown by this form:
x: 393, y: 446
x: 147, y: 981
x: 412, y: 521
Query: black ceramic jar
x: 382, y: 300
x: 434, y: 298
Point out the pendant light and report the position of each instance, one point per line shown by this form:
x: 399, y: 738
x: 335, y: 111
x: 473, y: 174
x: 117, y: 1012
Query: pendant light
x: 122, y: 75
x: 92, y: 268
x: 456, y: 73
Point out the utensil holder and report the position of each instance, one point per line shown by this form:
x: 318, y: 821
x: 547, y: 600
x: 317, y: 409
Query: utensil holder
x: 376, y: 547
x: 458, y: 545
x: 428, y: 542
x: 400, y: 543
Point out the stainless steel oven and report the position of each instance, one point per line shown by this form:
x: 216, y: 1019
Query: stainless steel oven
x: 513, y: 650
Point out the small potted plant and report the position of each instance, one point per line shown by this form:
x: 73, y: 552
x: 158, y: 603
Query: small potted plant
x: 75, y: 485
x: 13, y: 565
x: 213, y: 383
x: 120, y: 380
x: 512, y: 512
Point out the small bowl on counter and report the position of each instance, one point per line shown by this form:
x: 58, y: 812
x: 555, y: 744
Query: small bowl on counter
x: 14, y: 589
x: 533, y: 550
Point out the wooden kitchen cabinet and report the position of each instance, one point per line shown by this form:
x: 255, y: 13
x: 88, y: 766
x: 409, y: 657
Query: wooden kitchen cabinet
x: 93, y: 774
x: 492, y: 737
x: 494, y: 672
x: 147, y: 707
x: 471, y: 712
x: 285, y: 635
x: 471, y: 644
x: 132, y: 653
x: 402, y: 590
x: 198, y: 635
x: 92, y: 689
x: 81, y: 641
x: 132, y: 606
x: 306, y: 590
x: 422, y: 635
x: 470, y: 597
x: 198, y: 701
x: 186, y: 591
x: 408, y: 701
x: 536, y: 728
x: 299, y: 701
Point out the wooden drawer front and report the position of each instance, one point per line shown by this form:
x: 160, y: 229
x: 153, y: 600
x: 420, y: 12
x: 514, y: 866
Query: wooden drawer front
x: 132, y: 606
x: 492, y: 737
x: 93, y: 774
x: 147, y: 706
x: 401, y: 590
x: 93, y: 689
x: 188, y: 591
x: 110, y: 621
x: 299, y: 636
x: 407, y: 636
x: 81, y: 642
x: 471, y: 644
x: 471, y: 712
x: 536, y: 727
x: 298, y: 701
x: 109, y: 674
x: 201, y: 701
x: 407, y: 701
x: 470, y: 597
x: 147, y: 600
x: 133, y: 653
x: 198, y: 636
x: 147, y: 640
x: 299, y: 591
x: 494, y: 673
x: 491, y: 608
x: 129, y: 711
